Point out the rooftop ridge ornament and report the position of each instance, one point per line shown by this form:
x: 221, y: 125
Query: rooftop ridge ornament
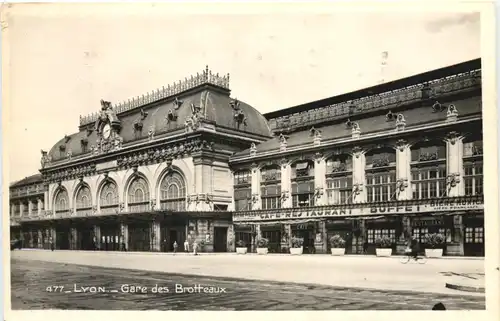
x: 193, y: 81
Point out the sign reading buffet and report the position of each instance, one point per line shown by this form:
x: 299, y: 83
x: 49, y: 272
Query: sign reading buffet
x: 433, y: 206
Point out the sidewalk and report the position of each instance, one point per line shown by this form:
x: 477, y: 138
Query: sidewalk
x: 365, y: 272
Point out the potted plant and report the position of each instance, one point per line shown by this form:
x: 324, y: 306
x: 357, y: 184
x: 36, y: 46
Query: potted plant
x: 241, y: 247
x: 435, y: 243
x: 296, y: 248
x: 384, y: 246
x: 338, y: 245
x: 262, y: 244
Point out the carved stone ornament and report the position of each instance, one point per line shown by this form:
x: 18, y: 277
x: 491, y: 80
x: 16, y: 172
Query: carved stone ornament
x: 401, y: 184
x: 192, y: 122
x: 284, y: 196
x: 452, y: 113
x: 355, y: 130
x: 283, y: 143
x: 452, y: 137
x: 318, y: 192
x: 253, y: 150
x: 153, y: 204
x: 438, y: 107
x: 453, y: 179
x: 177, y: 103
x: 390, y: 116
x: 171, y: 116
x: 284, y: 162
x: 45, y: 160
x: 401, y: 144
x: 318, y: 156
x: 122, y: 207
x: 238, y: 114
x: 69, y: 154
x: 151, y: 132
x: 400, y: 122
x: 356, y: 151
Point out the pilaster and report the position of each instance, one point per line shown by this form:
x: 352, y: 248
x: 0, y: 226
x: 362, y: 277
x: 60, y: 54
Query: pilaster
x: 231, y: 241
x: 30, y: 207
x: 403, y: 171
x: 73, y: 245
x: 255, y: 181
x: 40, y: 206
x: 155, y: 236
x: 358, y: 175
x: 454, y: 165
x: 320, y: 181
x: 286, y: 184
x: 97, y: 234
x: 40, y: 239
x: 321, y: 238
x: 124, y: 234
x: 21, y: 208
x: 53, y: 235
x: 456, y: 247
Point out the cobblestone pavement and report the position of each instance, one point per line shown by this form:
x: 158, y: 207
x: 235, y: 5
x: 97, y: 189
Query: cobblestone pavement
x: 49, y: 285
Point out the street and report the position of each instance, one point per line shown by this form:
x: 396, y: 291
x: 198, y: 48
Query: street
x: 140, y: 281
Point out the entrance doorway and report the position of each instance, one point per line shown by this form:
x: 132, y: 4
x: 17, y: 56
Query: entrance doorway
x: 307, y: 236
x: 139, y: 237
x: 62, y: 238
x: 85, y: 238
x: 220, y: 239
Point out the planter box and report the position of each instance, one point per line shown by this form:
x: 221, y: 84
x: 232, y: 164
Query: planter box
x: 241, y: 250
x: 338, y: 251
x: 262, y: 250
x: 434, y: 253
x: 384, y: 252
x: 296, y: 250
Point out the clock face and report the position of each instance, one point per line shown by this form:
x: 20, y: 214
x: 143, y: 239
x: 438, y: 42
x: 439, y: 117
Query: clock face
x: 106, y: 131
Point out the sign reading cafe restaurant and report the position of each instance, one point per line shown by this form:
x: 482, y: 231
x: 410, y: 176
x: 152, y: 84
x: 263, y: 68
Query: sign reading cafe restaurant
x: 445, y: 205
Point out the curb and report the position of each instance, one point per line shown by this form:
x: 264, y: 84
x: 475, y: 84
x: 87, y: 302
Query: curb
x: 465, y: 288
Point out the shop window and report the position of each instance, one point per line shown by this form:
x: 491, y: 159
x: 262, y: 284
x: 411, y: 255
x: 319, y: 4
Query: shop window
x: 428, y: 170
x: 172, y: 192
x: 428, y: 182
x: 242, y: 198
x: 270, y: 186
x: 474, y: 235
x: 473, y: 178
x: 339, y: 180
x: 420, y: 233
x: 446, y: 233
x: 374, y: 234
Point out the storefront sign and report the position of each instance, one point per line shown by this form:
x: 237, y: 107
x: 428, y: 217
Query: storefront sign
x: 446, y: 205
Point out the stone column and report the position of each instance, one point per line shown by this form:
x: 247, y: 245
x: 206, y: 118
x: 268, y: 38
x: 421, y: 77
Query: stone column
x: 258, y: 232
x: 454, y: 155
x: 155, y: 236
x: 97, y: 234
x: 40, y: 239
x: 231, y: 240
x: 40, y: 205
x: 12, y: 209
x: 255, y: 181
x: 124, y: 232
x: 21, y: 209
x: 203, y: 181
x: 53, y: 234
x: 30, y: 243
x: 286, y: 183
x: 403, y: 170
x: 406, y: 234
x: 30, y: 207
x: 74, y: 239
x: 321, y: 241
x: 320, y: 180
x: 358, y: 175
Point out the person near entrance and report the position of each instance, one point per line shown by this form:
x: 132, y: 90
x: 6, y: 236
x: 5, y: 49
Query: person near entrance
x: 414, y: 247
x: 175, y: 247
x: 51, y: 242
x: 195, y: 248
x: 186, y: 246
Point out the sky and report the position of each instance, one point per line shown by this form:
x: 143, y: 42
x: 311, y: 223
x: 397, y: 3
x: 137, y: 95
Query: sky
x: 62, y: 62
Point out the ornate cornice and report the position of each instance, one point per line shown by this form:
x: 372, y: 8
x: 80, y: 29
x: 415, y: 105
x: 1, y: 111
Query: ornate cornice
x: 383, y: 101
x: 206, y: 77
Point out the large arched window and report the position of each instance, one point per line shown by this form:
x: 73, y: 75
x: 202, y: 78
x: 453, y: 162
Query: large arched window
x: 270, y: 187
x: 109, y: 201
x: 339, y: 179
x: 473, y: 166
x: 61, y: 203
x: 242, y: 190
x: 380, y: 175
x: 84, y: 201
x: 138, y: 195
x: 303, y: 183
x: 428, y: 169
x: 173, y: 192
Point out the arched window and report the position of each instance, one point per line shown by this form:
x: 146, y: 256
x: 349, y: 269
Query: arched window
x: 270, y: 187
x: 84, y: 201
x: 61, y: 203
x: 109, y: 201
x: 339, y: 179
x: 428, y: 169
x: 380, y: 175
x: 473, y: 166
x: 173, y: 192
x: 138, y: 195
x: 303, y: 183
x: 242, y: 190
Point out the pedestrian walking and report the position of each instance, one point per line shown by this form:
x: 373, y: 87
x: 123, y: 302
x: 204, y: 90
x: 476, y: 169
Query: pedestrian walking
x: 186, y: 246
x: 195, y: 248
x: 51, y: 242
x: 175, y: 247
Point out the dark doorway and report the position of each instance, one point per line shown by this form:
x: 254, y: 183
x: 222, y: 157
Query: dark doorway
x: 85, y: 237
x: 62, y: 238
x: 220, y: 239
x: 110, y: 235
x: 173, y: 238
x: 308, y: 237
x: 139, y: 237
x: 34, y: 236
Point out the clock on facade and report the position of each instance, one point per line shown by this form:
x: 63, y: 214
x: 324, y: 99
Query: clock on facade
x: 106, y: 131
